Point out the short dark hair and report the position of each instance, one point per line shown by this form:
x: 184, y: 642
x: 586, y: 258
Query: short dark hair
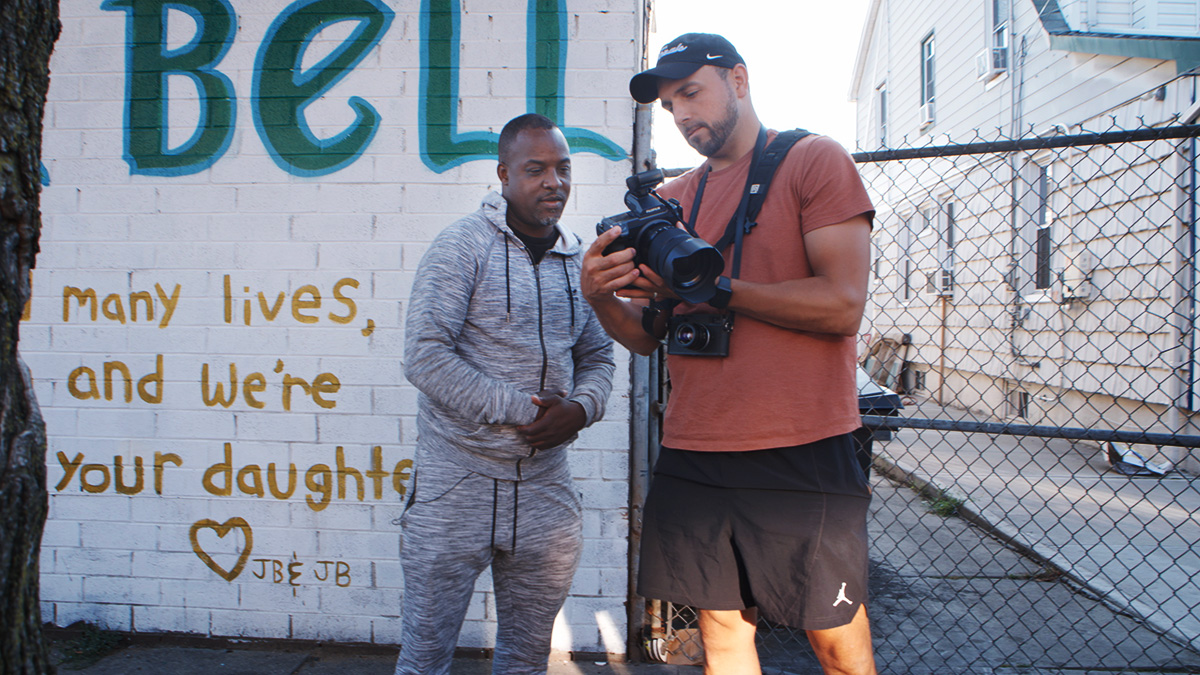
x: 508, y: 135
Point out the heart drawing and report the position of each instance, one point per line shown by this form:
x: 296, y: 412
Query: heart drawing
x: 222, y: 529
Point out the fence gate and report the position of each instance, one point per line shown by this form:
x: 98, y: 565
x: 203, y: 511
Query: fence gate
x: 1036, y: 507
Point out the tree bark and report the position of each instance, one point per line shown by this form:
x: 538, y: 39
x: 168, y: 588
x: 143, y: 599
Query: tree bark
x: 28, y: 29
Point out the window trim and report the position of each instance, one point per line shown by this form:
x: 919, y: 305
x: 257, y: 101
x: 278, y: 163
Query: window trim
x: 993, y: 61
x: 881, y: 114
x: 1043, y: 240
x: 928, y: 80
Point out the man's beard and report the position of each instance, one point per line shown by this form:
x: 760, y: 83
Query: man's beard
x: 720, y: 131
x: 550, y: 220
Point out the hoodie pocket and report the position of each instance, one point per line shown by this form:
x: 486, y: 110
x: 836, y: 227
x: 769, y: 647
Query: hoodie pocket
x: 498, y: 441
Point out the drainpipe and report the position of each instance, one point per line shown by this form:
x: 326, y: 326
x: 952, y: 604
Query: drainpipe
x: 1191, y: 248
x: 1184, y: 295
x: 643, y: 425
x: 942, y: 356
x: 1014, y: 232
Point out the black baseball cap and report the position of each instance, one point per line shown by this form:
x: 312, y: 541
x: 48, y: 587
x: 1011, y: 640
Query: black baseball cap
x: 681, y: 57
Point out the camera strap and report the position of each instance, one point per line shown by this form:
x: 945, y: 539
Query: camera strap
x: 763, y: 165
x: 739, y: 226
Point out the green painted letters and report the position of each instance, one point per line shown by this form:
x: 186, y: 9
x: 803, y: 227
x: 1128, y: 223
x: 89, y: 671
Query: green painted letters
x: 148, y: 65
x: 282, y: 89
x: 442, y: 146
x: 547, y: 60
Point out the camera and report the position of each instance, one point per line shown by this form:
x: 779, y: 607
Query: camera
x: 699, y: 334
x: 689, y: 266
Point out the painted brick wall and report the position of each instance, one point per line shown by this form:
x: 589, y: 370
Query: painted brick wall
x: 262, y: 501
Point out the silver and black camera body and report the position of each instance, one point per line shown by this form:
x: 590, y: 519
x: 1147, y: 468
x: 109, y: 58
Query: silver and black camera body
x: 690, y: 266
x: 699, y: 334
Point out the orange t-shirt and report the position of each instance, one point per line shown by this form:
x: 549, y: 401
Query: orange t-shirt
x: 778, y: 387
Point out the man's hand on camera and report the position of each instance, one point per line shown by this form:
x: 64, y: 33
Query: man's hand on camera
x: 557, y: 420
x: 647, y: 286
x: 602, y: 275
x: 606, y: 275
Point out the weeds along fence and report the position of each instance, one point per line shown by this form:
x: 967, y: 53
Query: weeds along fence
x: 1033, y: 302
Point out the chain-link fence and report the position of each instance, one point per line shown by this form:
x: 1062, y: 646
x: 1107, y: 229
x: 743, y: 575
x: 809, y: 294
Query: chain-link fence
x: 1037, y: 507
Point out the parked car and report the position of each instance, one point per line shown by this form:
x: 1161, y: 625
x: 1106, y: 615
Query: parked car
x: 873, y: 399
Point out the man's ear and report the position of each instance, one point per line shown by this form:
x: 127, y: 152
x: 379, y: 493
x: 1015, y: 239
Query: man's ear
x: 741, y: 80
x: 502, y: 173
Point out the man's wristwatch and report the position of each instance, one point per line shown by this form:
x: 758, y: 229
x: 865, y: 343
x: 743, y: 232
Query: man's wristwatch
x: 649, y: 315
x: 720, y: 299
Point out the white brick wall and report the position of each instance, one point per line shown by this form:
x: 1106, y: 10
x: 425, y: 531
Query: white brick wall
x: 269, y: 559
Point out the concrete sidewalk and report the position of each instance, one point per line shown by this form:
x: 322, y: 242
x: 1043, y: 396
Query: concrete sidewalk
x: 1132, y: 541
x: 1107, y: 573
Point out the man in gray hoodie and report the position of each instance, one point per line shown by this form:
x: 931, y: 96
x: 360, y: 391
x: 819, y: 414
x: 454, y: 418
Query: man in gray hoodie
x: 510, y: 363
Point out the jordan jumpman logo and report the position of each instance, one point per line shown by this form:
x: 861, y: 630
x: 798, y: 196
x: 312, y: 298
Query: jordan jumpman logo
x: 842, y: 597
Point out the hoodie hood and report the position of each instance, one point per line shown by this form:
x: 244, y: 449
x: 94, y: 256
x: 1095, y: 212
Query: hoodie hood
x: 495, y: 210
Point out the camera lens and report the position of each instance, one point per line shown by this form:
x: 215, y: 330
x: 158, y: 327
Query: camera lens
x: 688, y: 272
x: 690, y: 266
x: 691, y: 336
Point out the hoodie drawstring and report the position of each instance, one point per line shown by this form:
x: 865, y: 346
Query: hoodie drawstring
x: 495, y: 499
x: 570, y: 291
x: 507, y: 284
x: 496, y: 507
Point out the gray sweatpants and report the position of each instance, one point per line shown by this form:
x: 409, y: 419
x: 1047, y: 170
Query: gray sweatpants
x: 458, y: 523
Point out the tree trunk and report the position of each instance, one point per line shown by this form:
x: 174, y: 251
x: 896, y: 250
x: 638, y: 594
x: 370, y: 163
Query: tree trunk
x: 28, y: 29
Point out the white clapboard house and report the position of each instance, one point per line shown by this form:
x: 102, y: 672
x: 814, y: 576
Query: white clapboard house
x: 1042, y: 285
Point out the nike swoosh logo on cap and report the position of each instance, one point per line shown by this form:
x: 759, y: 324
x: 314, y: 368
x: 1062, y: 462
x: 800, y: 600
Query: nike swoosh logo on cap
x: 710, y: 57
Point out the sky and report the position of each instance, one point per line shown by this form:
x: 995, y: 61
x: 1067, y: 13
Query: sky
x: 799, y: 53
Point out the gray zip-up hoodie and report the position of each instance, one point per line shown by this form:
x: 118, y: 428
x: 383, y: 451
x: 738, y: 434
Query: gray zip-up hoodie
x: 487, y: 329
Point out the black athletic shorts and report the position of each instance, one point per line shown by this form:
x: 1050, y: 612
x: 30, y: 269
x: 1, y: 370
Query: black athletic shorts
x: 799, y: 557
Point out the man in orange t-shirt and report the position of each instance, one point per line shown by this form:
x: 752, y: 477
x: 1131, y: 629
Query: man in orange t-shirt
x: 758, y: 505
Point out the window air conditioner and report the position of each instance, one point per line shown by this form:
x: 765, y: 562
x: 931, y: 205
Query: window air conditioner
x: 940, y: 282
x: 999, y: 59
x: 1074, y: 283
x: 991, y: 63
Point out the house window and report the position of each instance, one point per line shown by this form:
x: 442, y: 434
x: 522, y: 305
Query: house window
x: 917, y: 225
x: 1018, y: 403
x: 1042, y: 274
x: 999, y: 25
x: 1035, y: 251
x: 927, y: 81
x: 938, y: 219
x: 881, y: 113
x: 946, y: 235
x: 928, y: 219
x: 993, y: 60
x: 1042, y: 190
x: 1042, y: 220
x: 905, y: 267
